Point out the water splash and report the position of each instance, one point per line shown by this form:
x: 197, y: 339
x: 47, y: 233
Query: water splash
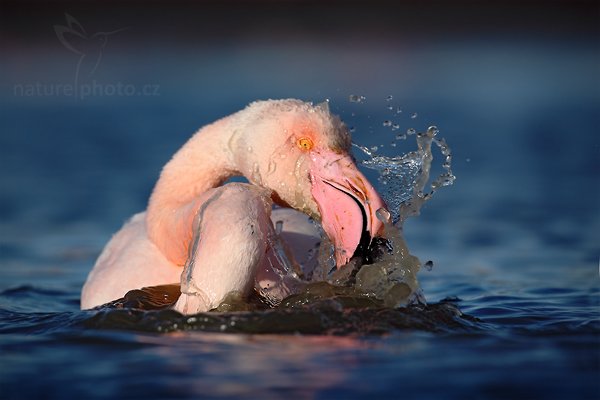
x: 325, y: 258
x: 284, y: 274
x: 392, y: 278
x: 404, y: 177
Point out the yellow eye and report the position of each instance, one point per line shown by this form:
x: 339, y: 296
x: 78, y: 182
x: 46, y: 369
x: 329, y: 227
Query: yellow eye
x: 305, y: 143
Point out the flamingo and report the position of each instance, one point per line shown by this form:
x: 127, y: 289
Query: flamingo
x: 217, y: 239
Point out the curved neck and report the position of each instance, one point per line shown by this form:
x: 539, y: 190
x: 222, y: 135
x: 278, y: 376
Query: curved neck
x: 204, y: 162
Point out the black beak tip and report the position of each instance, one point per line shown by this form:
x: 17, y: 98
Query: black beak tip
x: 371, y: 249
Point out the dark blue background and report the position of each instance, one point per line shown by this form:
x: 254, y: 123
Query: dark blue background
x: 513, y: 87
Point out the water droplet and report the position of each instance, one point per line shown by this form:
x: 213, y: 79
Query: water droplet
x: 387, y: 122
x: 352, y: 129
x: 374, y: 148
x: 391, y: 108
x: 389, y: 98
x: 414, y: 115
x: 383, y: 215
x: 398, y: 110
x: 468, y: 160
x: 249, y: 149
x: 278, y: 227
x: 428, y: 265
x: 401, y: 136
x: 395, y: 127
x: 411, y: 131
x: 256, y: 173
x: 354, y: 98
x: 448, y: 180
x: 393, y: 144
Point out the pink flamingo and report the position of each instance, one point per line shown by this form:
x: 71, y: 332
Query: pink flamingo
x: 295, y: 155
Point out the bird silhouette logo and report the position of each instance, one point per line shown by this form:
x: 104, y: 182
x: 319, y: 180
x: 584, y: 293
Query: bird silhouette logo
x: 89, y: 48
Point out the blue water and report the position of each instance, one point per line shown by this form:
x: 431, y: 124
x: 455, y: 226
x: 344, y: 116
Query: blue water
x: 514, y: 295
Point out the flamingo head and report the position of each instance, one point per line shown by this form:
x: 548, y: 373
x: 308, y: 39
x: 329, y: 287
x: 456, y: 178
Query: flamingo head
x: 302, y: 153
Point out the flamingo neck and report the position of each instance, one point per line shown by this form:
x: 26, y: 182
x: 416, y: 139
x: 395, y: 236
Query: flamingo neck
x: 204, y: 162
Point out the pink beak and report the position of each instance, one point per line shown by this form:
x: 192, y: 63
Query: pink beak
x: 346, y: 200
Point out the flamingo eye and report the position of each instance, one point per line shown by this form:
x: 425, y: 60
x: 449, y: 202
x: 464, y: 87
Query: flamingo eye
x: 305, y: 144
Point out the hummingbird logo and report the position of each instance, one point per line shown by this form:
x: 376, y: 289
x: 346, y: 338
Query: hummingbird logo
x: 89, y: 48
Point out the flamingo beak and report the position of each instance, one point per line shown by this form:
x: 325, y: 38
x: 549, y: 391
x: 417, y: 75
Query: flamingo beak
x: 347, y: 202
